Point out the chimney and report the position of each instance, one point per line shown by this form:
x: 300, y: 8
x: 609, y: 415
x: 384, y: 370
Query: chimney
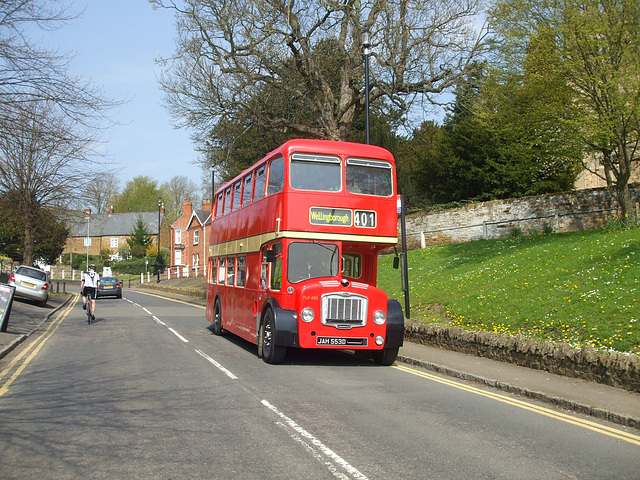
x: 186, y: 207
x: 206, y: 205
x: 87, y: 212
x: 111, y: 210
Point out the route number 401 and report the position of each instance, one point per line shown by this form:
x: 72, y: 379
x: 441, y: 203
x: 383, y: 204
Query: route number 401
x: 364, y: 219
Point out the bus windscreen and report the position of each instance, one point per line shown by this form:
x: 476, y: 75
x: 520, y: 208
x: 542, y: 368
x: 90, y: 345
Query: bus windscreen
x: 311, y: 260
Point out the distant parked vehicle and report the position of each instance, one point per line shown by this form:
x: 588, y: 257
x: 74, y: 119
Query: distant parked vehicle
x: 31, y: 283
x: 110, y: 287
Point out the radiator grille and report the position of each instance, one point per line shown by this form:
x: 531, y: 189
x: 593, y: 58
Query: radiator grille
x: 344, y: 311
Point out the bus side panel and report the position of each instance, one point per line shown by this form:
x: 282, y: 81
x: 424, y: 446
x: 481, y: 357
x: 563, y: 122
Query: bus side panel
x: 210, y: 299
x: 271, y: 211
x: 257, y: 217
x: 226, y: 305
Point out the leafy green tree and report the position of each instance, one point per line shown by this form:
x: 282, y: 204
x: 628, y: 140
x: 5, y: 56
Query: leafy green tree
x: 139, y: 195
x: 502, y: 138
x: 421, y: 167
x: 139, y: 239
x: 597, y: 42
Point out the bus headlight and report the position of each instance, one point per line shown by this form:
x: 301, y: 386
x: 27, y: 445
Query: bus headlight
x: 307, y: 315
x: 379, y: 317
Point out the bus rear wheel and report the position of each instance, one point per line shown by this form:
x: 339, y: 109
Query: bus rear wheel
x: 217, y: 319
x: 386, y: 356
x: 271, y: 353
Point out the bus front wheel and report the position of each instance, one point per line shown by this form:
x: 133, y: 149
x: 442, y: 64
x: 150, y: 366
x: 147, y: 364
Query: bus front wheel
x: 386, y: 356
x: 271, y: 353
x: 217, y: 319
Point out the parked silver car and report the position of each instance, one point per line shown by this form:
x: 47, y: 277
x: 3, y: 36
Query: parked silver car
x: 31, y: 283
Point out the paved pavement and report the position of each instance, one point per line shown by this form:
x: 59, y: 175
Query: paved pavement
x: 589, y: 398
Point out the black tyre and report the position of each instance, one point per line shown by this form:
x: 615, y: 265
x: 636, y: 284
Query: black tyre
x: 386, y: 356
x: 217, y: 319
x: 271, y: 353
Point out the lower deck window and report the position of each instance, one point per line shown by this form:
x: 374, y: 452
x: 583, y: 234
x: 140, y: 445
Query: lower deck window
x: 221, y: 270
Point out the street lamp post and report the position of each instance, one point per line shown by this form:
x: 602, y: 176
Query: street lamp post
x: 366, y: 44
x: 158, y: 257
x: 87, y: 240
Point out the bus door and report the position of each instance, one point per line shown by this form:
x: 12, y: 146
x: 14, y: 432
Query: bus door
x: 271, y: 263
x: 227, y: 291
x: 271, y: 268
x: 243, y: 308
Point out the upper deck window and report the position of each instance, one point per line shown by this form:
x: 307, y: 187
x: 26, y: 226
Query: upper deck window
x: 369, y: 177
x: 261, y: 179
x: 246, y: 193
x: 219, y: 206
x: 227, y: 201
x: 237, y: 189
x: 276, y: 176
x: 315, y: 172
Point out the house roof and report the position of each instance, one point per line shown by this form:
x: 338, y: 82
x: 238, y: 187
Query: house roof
x: 202, y: 216
x: 117, y: 224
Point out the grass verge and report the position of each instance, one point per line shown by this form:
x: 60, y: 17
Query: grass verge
x: 580, y: 288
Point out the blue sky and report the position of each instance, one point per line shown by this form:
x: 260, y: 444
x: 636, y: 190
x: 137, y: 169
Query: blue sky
x: 114, y: 43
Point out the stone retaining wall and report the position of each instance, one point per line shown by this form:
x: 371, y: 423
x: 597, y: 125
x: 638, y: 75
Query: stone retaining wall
x: 564, y: 212
x: 615, y: 369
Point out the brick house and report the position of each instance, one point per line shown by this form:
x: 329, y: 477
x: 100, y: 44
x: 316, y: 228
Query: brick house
x: 189, y: 245
x: 111, y: 231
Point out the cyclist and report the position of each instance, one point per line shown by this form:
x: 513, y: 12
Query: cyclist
x: 89, y: 287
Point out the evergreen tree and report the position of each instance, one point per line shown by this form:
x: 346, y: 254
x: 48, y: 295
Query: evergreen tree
x: 139, y: 239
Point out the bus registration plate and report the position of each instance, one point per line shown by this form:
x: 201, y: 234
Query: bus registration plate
x: 331, y: 341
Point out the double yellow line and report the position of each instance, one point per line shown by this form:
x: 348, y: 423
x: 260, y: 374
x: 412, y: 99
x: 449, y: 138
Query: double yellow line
x: 34, y: 348
x: 603, y: 429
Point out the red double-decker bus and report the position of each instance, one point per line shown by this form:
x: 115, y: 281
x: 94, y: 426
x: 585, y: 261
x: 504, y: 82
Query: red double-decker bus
x: 294, y: 246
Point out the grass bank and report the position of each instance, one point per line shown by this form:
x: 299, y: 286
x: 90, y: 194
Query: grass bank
x: 581, y: 288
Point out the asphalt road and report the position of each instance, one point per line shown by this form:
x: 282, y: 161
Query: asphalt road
x: 148, y: 392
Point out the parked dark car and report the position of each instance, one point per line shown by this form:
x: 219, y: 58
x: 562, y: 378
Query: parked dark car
x: 31, y: 283
x: 110, y: 287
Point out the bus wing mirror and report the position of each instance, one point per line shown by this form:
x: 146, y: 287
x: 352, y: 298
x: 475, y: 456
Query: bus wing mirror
x: 396, y: 262
x: 271, y: 256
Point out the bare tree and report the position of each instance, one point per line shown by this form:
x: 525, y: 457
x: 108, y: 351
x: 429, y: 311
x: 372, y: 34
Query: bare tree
x: 99, y: 192
x: 39, y: 160
x: 30, y: 73
x: 174, y: 193
x: 50, y: 122
x: 247, y: 55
